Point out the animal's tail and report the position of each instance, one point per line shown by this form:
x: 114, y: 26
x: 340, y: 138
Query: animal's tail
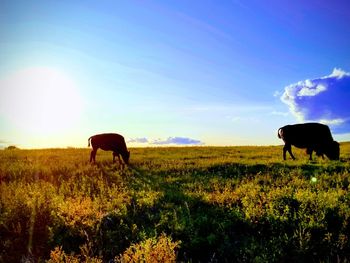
x: 89, y: 141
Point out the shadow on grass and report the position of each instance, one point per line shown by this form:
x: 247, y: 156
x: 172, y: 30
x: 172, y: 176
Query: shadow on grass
x: 239, y: 170
x: 208, y: 232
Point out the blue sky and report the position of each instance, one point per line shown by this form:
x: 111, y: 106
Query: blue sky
x: 170, y: 72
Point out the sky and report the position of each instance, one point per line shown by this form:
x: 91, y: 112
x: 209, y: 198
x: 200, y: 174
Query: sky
x: 171, y: 72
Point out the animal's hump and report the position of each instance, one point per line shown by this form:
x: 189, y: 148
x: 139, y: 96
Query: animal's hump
x: 109, y: 134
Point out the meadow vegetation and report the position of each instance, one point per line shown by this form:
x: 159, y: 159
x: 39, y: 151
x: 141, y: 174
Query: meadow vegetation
x: 185, y: 204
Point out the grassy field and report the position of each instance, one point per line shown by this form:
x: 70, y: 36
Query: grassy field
x: 188, y: 204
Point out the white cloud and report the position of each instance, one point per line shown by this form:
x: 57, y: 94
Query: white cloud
x: 311, y: 91
x: 138, y: 140
x: 338, y: 73
x: 325, y: 99
x: 333, y: 122
x: 178, y: 141
x: 167, y: 141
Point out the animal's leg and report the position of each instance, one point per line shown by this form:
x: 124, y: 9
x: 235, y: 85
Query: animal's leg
x: 119, y: 160
x: 309, y: 151
x: 116, y: 154
x: 320, y: 154
x: 287, y: 147
x: 93, y: 155
x: 310, y: 158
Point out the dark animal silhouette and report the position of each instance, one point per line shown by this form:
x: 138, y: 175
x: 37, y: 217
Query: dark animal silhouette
x: 312, y: 136
x: 109, y: 142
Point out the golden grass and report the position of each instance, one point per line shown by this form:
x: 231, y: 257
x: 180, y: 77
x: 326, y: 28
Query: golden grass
x: 205, y: 203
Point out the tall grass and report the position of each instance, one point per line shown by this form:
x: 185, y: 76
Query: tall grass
x: 186, y: 204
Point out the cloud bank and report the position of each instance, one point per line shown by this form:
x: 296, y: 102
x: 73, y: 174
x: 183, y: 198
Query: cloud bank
x: 138, y: 140
x: 168, y: 141
x: 178, y: 141
x: 325, y: 99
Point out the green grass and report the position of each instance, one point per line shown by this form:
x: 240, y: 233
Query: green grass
x: 193, y: 203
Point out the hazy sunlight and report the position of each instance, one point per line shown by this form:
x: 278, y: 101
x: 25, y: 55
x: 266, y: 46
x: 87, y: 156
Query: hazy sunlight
x: 41, y: 100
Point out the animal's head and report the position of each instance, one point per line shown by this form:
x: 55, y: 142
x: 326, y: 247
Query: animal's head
x: 333, y: 151
x: 126, y: 157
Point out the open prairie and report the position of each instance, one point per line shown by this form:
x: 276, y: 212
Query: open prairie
x: 187, y: 204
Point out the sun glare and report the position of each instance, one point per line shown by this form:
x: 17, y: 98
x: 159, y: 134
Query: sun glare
x: 41, y: 100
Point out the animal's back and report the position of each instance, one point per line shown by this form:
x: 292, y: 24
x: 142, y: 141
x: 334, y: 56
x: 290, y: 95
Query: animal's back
x: 303, y: 135
x: 108, y: 141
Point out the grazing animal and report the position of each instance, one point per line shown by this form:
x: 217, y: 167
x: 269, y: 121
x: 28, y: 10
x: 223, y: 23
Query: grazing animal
x: 312, y: 136
x: 109, y: 142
